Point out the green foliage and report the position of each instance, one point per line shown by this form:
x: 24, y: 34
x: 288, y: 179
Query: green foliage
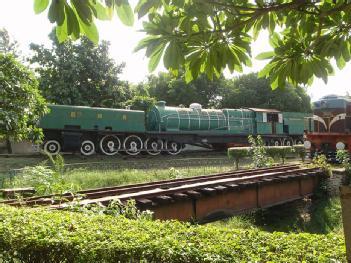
x: 21, y: 104
x: 301, y: 151
x: 80, y: 74
x: 258, y: 152
x: 250, y: 91
x: 59, y: 236
x: 238, y: 153
x: 175, y: 91
x: 76, y: 18
x: 206, y: 37
x: 115, y: 208
x: 46, y: 179
x: 344, y: 158
x: 279, y: 151
x: 318, y: 216
x: 143, y: 103
x: 321, y: 161
x: 7, y: 46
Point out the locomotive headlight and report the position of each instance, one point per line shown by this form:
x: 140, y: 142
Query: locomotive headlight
x: 340, y: 146
x: 307, y: 144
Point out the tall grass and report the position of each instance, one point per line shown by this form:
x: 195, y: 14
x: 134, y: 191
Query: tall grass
x: 103, y: 178
x: 319, y: 216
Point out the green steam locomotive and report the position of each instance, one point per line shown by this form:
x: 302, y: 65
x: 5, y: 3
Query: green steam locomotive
x: 165, y: 129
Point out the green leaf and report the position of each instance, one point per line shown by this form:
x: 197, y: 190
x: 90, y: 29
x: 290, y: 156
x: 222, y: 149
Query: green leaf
x: 172, y: 56
x: 72, y: 22
x: 275, y: 83
x: 61, y: 32
x: 83, y: 10
x: 40, y: 5
x: 90, y: 31
x: 265, y: 55
x: 125, y: 14
x: 265, y: 71
x: 102, y: 12
x: 56, y: 12
x: 155, y: 58
x: 340, y: 62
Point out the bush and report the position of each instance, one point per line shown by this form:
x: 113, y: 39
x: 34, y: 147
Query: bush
x: 279, y: 151
x: 344, y: 158
x: 238, y: 153
x: 258, y: 153
x: 37, y: 235
x: 301, y: 151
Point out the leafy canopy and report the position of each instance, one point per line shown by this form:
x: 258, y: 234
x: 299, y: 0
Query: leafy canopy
x: 21, y: 104
x: 79, y: 73
x: 207, y: 36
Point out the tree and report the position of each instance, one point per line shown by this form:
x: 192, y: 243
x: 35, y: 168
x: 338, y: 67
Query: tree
x: 251, y: 91
x: 21, y: 104
x: 176, y: 91
x: 79, y: 74
x: 7, y: 46
x: 143, y: 103
x: 207, y: 36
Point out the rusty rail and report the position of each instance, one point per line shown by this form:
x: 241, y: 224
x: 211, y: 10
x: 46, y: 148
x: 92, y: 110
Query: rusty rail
x: 203, y: 197
x: 107, y: 191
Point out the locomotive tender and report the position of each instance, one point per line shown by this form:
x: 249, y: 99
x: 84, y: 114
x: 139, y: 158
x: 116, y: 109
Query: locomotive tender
x: 164, y: 128
x: 332, y: 125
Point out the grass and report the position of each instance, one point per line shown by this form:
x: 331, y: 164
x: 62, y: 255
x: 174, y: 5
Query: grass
x: 318, y: 216
x: 321, y: 215
x: 101, y: 178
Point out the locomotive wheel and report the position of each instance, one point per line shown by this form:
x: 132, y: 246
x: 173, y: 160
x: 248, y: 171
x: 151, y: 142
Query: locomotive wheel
x: 153, y: 146
x: 275, y: 142
x: 298, y: 142
x: 53, y: 147
x: 173, y: 148
x: 87, y: 148
x: 288, y: 142
x: 133, y: 145
x: 110, y: 145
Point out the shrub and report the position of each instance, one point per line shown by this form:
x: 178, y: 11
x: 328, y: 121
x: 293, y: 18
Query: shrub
x: 344, y: 158
x: 46, y: 179
x: 322, y: 162
x: 300, y: 150
x: 238, y: 153
x: 37, y: 235
x: 258, y: 152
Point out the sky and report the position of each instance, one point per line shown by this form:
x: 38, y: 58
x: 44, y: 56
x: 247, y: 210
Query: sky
x: 18, y: 17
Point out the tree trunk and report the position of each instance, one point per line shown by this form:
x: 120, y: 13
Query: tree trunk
x: 345, y: 196
x: 8, y: 145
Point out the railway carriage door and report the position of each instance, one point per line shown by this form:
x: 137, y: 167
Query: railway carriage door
x: 273, y: 118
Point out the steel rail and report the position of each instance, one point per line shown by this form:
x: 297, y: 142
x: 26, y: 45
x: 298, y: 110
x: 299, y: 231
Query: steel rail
x: 99, y: 192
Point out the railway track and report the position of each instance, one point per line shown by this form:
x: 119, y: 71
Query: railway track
x: 163, y: 192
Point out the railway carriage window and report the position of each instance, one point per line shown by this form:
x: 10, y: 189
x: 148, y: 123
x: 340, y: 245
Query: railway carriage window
x: 271, y: 117
x: 264, y: 117
x: 79, y: 114
x: 73, y: 114
x: 99, y: 116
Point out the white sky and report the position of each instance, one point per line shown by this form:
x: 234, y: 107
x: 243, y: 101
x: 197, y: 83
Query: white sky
x: 18, y: 17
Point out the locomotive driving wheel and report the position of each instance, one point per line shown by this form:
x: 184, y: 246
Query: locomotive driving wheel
x: 299, y: 141
x: 110, y: 145
x: 133, y: 145
x: 173, y: 148
x: 87, y: 148
x: 153, y: 146
x: 52, y: 146
x: 288, y: 142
